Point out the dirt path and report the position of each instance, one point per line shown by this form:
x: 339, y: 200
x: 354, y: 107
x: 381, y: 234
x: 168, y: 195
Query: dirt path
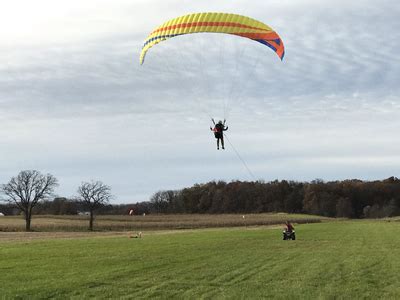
x: 32, y: 236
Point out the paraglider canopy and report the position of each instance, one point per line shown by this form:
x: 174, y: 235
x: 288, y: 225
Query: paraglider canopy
x: 217, y: 23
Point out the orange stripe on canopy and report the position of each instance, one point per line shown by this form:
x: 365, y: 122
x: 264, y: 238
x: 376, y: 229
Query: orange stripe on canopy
x: 258, y: 36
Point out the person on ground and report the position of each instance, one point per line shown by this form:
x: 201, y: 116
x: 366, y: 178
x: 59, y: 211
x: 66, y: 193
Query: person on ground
x: 289, y: 227
x: 288, y: 233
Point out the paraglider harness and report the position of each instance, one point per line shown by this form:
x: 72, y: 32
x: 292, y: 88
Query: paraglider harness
x: 219, y: 129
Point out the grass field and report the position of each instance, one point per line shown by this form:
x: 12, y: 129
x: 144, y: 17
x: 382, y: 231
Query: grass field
x: 344, y: 259
x: 151, y: 222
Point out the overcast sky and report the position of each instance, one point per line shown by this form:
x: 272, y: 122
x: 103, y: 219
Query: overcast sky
x: 74, y: 101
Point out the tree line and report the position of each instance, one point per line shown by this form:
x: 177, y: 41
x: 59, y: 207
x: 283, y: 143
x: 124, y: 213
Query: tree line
x: 31, y: 192
x: 347, y: 198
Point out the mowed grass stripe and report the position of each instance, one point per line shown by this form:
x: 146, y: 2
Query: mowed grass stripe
x: 352, y: 259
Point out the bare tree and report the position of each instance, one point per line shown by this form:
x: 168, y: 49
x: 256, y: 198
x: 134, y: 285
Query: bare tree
x: 27, y: 189
x: 93, y: 195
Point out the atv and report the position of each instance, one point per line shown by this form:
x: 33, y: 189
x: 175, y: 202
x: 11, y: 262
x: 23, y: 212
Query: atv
x: 289, y: 235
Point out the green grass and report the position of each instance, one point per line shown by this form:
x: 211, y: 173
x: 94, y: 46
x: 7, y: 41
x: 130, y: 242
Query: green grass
x: 350, y: 259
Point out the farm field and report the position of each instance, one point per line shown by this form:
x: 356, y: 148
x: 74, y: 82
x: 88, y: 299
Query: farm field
x: 343, y: 259
x: 151, y: 222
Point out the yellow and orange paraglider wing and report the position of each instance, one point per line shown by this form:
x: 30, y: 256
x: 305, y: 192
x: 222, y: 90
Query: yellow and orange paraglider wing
x: 217, y: 23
